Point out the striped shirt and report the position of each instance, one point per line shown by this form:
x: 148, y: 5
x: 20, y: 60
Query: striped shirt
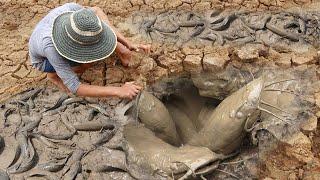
x: 41, y: 48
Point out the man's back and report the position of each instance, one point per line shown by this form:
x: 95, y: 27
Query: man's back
x: 41, y: 36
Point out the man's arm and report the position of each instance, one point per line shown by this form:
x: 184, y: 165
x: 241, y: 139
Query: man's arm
x: 132, y: 47
x: 66, y: 78
x: 128, y: 90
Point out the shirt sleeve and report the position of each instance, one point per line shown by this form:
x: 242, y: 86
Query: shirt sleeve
x: 73, y: 6
x: 63, y: 69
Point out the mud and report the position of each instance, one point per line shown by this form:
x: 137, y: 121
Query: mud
x: 189, y: 38
x: 156, y: 117
x: 287, y: 16
x: 286, y: 30
x: 130, y: 149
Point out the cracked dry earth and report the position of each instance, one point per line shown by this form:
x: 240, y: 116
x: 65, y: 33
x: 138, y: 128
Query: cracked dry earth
x: 213, y: 47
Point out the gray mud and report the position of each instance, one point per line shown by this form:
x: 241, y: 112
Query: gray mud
x: 290, y: 30
x: 47, y: 133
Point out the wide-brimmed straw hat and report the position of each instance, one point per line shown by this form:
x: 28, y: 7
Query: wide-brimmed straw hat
x: 80, y: 36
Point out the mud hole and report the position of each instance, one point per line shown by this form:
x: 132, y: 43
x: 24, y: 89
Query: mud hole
x: 210, y: 125
x: 232, y: 93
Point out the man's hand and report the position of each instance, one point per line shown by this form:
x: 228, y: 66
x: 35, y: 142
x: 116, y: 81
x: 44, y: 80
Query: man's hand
x: 138, y: 47
x: 128, y: 90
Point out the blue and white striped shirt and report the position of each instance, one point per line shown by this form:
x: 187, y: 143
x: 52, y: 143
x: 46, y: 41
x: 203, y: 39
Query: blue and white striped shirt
x: 41, y: 48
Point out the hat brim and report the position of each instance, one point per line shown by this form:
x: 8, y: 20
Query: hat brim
x: 79, y: 53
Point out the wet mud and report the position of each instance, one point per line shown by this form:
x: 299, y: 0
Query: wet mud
x: 287, y: 30
x: 216, y: 52
x: 59, y: 137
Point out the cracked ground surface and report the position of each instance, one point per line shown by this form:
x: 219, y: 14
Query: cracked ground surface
x: 18, y: 18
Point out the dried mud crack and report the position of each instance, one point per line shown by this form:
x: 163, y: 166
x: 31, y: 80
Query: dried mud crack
x: 231, y: 92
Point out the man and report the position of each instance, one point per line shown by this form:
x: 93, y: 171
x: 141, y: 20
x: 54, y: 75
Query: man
x: 70, y: 39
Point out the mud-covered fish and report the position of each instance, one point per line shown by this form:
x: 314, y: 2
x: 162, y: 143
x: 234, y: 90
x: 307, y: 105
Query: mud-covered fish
x: 73, y: 166
x: 4, y: 175
x: 105, y: 137
x: 64, y: 136
x: 1, y: 144
x: 72, y: 173
x: 38, y: 173
x: 155, y: 116
x: 44, y: 140
x: 91, y: 114
x: 27, y: 157
x: 30, y: 103
x: 6, y: 114
x: 58, y: 103
x: 185, y: 127
x: 100, y: 109
x: 225, y: 127
x: 149, y: 157
x: 109, y: 160
x: 93, y: 126
x: 31, y: 125
x: 54, y: 165
x: 72, y: 100
x: 16, y: 156
x: 31, y: 94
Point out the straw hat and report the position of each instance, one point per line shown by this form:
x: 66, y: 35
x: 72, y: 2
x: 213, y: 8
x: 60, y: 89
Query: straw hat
x: 80, y: 36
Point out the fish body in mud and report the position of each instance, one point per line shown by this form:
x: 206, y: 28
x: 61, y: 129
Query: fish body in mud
x: 73, y: 171
x: 224, y: 129
x: 94, y: 126
x: 31, y: 125
x: 38, y: 173
x: 31, y: 94
x: 58, y: 103
x: 54, y: 165
x: 27, y: 157
x: 105, y: 137
x: 204, y: 114
x: 149, y: 157
x: 4, y: 175
x: 185, y: 127
x: 1, y: 144
x: 73, y: 166
x: 65, y: 136
x: 155, y: 116
x: 6, y: 114
x: 109, y: 160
